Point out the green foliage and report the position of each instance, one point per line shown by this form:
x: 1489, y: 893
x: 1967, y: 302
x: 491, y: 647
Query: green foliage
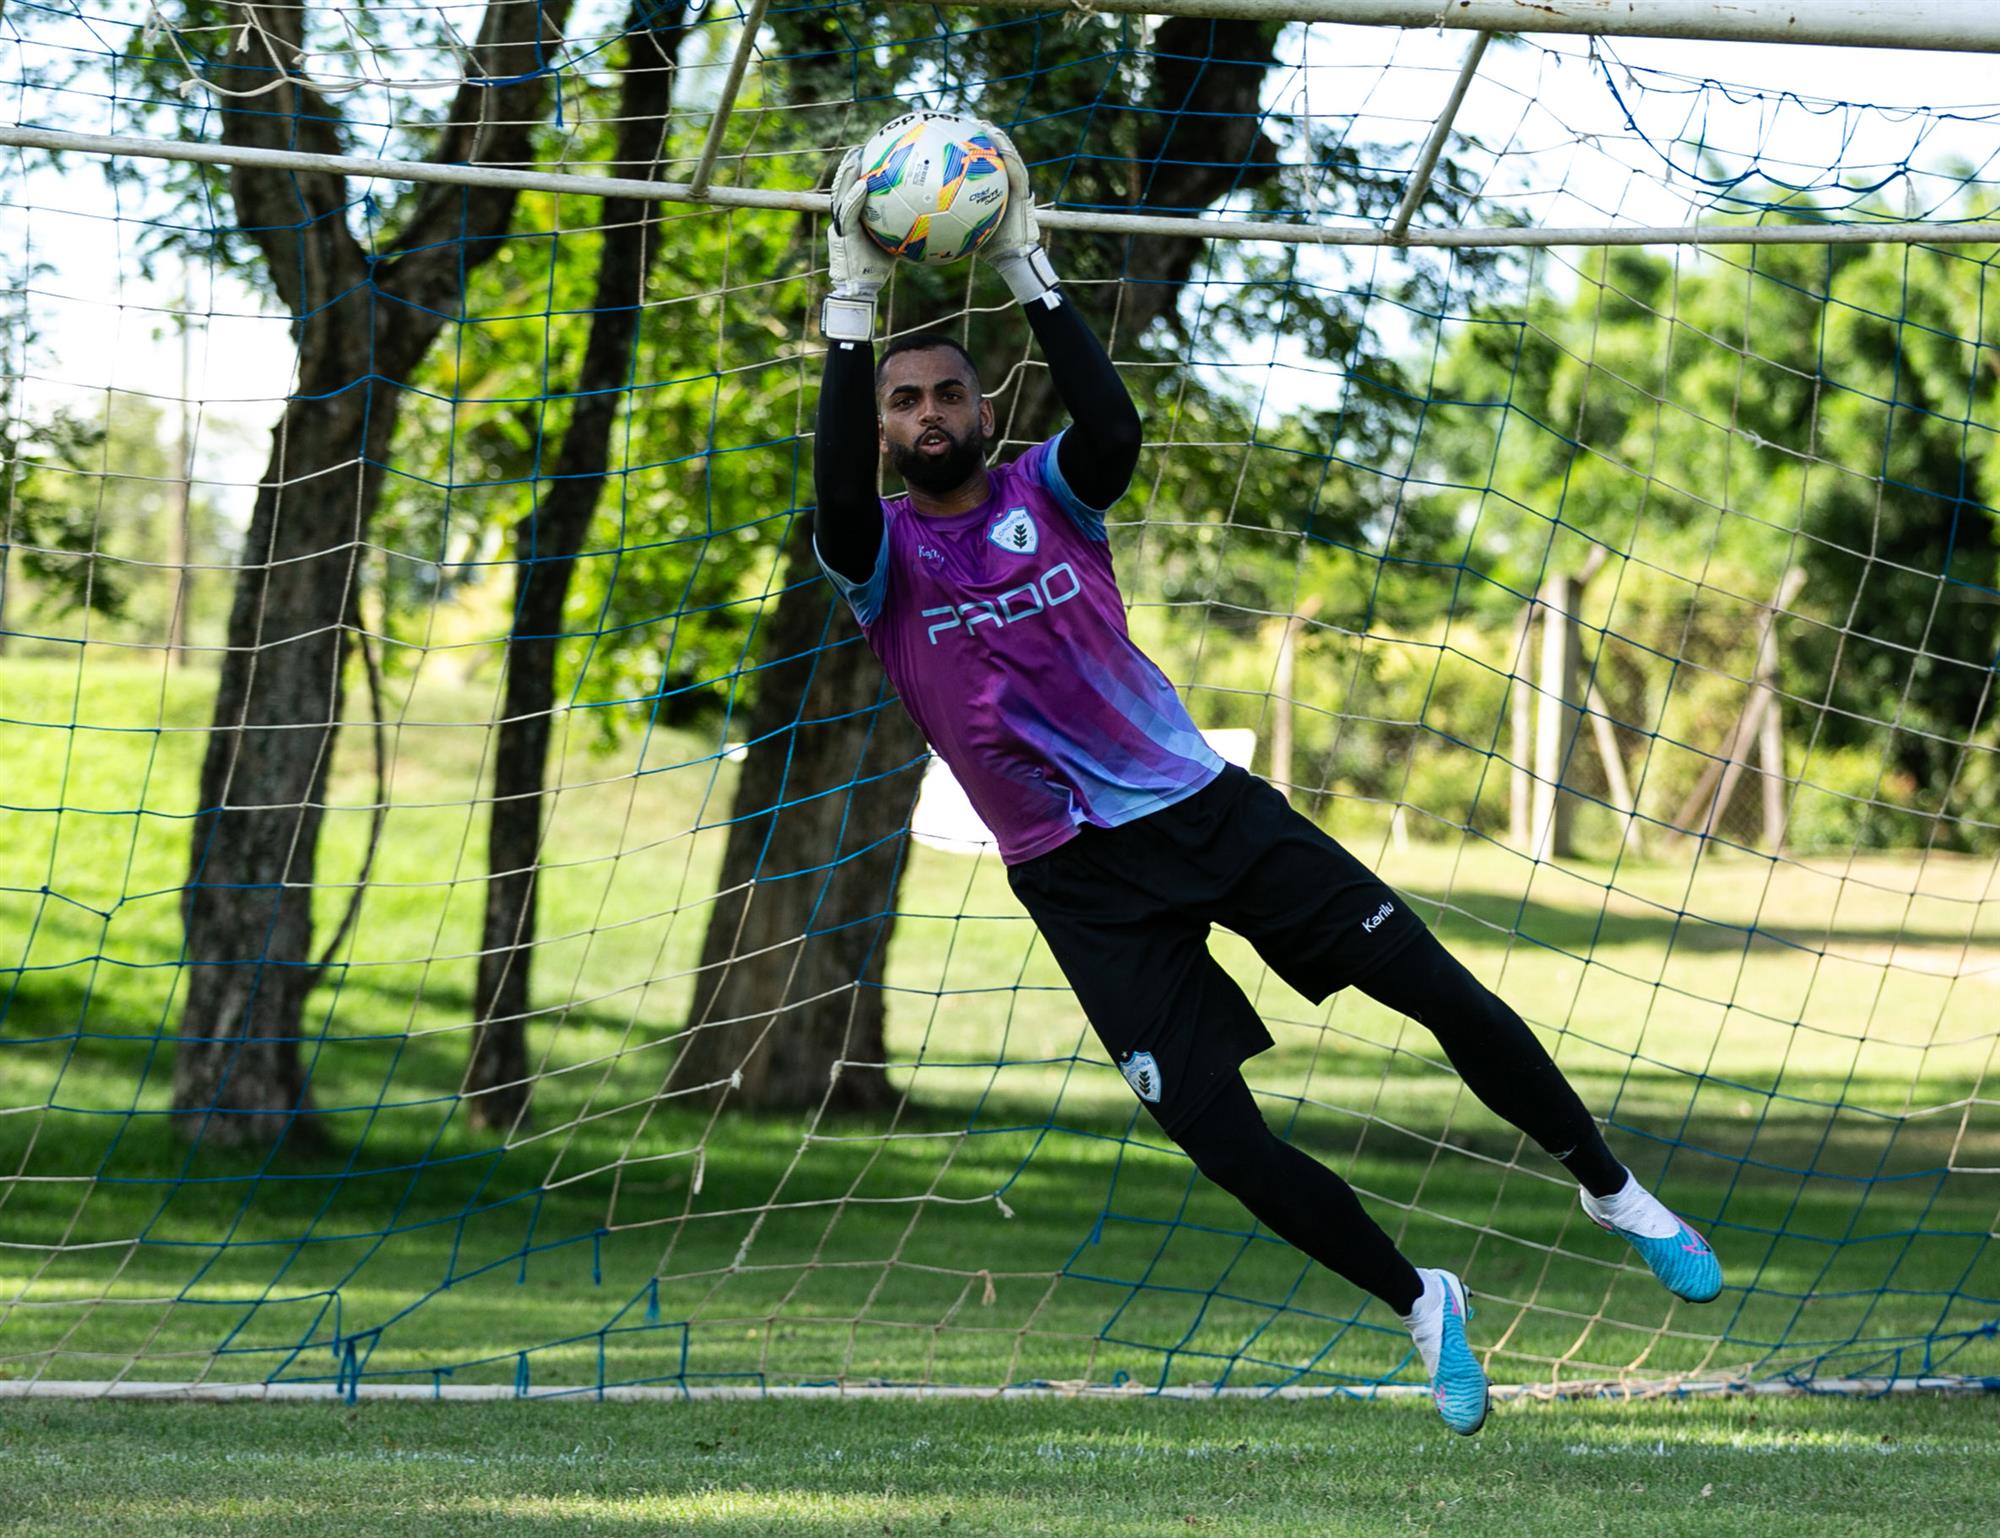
x: 95, y: 513
x: 1707, y: 422
x: 51, y: 517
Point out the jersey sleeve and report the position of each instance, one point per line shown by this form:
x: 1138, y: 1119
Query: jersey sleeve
x: 1043, y: 464
x: 865, y: 598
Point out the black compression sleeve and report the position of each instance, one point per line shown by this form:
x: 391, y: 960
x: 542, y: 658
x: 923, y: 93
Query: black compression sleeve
x: 1498, y: 1057
x: 1295, y: 1196
x: 1101, y: 448
x: 848, y: 523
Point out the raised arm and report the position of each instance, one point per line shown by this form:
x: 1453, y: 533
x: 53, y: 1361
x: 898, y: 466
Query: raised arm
x: 847, y: 523
x: 1101, y: 448
x: 847, y: 526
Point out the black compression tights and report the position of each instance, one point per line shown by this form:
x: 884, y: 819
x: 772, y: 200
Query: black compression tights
x: 1311, y: 1208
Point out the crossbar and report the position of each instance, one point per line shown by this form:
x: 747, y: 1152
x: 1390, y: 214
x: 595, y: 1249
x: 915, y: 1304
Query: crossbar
x: 1957, y: 26
x: 1179, y: 227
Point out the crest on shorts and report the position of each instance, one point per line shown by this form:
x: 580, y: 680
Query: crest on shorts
x: 1016, y: 532
x: 1143, y: 1074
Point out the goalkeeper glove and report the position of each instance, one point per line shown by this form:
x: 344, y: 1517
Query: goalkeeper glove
x: 1016, y: 247
x: 859, y: 268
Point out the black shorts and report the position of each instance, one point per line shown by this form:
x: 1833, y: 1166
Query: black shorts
x: 1126, y: 912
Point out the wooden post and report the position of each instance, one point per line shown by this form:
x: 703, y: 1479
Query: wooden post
x: 1771, y: 734
x: 1521, y: 729
x: 1556, y: 720
x: 1281, y: 692
x: 1771, y: 754
x: 180, y: 531
x: 1606, y: 742
x: 1717, y: 783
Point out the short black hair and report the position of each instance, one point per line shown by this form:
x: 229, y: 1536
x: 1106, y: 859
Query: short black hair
x: 924, y: 341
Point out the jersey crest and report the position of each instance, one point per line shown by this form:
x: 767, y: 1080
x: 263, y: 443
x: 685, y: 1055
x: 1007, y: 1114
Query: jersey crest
x: 1143, y: 1074
x: 1016, y: 532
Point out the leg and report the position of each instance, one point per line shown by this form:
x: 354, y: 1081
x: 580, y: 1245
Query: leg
x: 1295, y: 1196
x: 1506, y: 1067
x: 1497, y: 1055
x: 1315, y: 1211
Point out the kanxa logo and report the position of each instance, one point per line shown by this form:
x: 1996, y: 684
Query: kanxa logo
x: 1057, y: 585
x: 1374, y: 920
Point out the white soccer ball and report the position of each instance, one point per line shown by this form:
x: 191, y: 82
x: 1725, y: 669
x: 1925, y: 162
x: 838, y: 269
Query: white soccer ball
x: 936, y: 186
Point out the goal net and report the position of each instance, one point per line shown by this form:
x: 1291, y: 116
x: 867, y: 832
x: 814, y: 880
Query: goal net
x: 473, y: 916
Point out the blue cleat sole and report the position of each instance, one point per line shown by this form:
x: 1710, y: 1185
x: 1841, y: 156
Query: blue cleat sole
x: 1683, y: 1262
x: 1459, y: 1388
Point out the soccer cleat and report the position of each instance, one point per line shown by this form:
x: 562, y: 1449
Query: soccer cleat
x: 1458, y: 1382
x: 1674, y: 1252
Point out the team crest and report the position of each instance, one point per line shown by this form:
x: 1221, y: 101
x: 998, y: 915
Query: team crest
x: 1016, y: 532
x: 1143, y: 1074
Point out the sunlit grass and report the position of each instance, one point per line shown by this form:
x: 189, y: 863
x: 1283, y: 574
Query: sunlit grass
x: 1845, y: 1468
x: 1798, y: 1054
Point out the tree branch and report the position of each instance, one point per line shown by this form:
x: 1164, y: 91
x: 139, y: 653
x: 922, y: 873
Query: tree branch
x: 297, y: 219
x: 492, y: 121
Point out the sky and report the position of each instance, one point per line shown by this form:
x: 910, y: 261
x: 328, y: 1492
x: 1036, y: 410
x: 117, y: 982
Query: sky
x: 1562, y: 149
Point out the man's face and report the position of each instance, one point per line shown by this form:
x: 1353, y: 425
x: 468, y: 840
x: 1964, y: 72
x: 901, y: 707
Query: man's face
x: 935, y: 423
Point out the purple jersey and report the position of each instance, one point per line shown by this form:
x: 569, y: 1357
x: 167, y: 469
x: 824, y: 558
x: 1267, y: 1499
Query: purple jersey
x: 1003, y: 630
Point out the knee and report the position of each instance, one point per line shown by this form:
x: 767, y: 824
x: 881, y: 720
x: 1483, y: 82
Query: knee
x: 1447, y: 1000
x: 1235, y: 1155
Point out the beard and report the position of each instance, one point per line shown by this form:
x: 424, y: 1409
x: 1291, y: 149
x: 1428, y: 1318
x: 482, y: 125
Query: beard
x: 937, y: 474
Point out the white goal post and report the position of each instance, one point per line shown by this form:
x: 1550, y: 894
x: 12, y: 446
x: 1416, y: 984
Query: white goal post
x: 1964, y: 26
x: 1957, y: 25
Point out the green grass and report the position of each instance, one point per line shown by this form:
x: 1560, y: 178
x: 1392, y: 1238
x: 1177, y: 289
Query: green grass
x: 1819, y: 1094
x: 1729, y: 1469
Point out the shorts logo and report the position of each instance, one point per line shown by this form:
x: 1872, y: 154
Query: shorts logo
x: 1143, y: 1074
x: 1016, y: 532
x: 1374, y: 920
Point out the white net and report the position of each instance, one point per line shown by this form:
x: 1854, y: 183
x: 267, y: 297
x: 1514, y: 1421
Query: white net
x: 462, y: 923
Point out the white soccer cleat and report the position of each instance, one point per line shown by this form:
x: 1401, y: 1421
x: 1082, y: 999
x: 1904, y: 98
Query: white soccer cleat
x: 1437, y: 1325
x: 1674, y: 1252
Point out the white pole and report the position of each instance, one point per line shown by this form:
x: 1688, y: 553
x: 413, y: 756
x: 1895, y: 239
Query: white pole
x: 746, y: 44
x: 1420, y: 178
x: 1181, y: 227
x: 1959, y: 26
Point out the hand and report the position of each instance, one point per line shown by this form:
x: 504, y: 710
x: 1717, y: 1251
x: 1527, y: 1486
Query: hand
x: 858, y: 267
x: 1016, y: 247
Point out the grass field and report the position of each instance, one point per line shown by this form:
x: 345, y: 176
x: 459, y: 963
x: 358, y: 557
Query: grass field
x: 1799, y: 1054
x: 1915, y: 1466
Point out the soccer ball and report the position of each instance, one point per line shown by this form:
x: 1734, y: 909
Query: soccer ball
x: 936, y: 186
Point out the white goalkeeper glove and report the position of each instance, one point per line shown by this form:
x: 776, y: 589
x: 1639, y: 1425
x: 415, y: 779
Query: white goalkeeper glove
x: 1016, y: 247
x: 859, y: 268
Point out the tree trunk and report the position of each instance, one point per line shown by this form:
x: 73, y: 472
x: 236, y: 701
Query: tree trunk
x: 789, y: 996
x: 363, y: 321
x: 788, y: 1004
x: 545, y: 547
x: 248, y: 905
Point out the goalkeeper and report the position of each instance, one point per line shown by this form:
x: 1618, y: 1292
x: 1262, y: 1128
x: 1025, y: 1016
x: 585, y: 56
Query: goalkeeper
x: 988, y: 594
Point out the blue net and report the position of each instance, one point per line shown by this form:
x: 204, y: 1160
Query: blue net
x: 474, y: 914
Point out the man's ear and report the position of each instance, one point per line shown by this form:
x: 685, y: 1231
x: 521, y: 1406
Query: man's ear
x: 987, y: 421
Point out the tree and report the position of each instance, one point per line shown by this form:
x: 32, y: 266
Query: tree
x: 1709, y: 421
x: 365, y: 310
x: 545, y: 547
